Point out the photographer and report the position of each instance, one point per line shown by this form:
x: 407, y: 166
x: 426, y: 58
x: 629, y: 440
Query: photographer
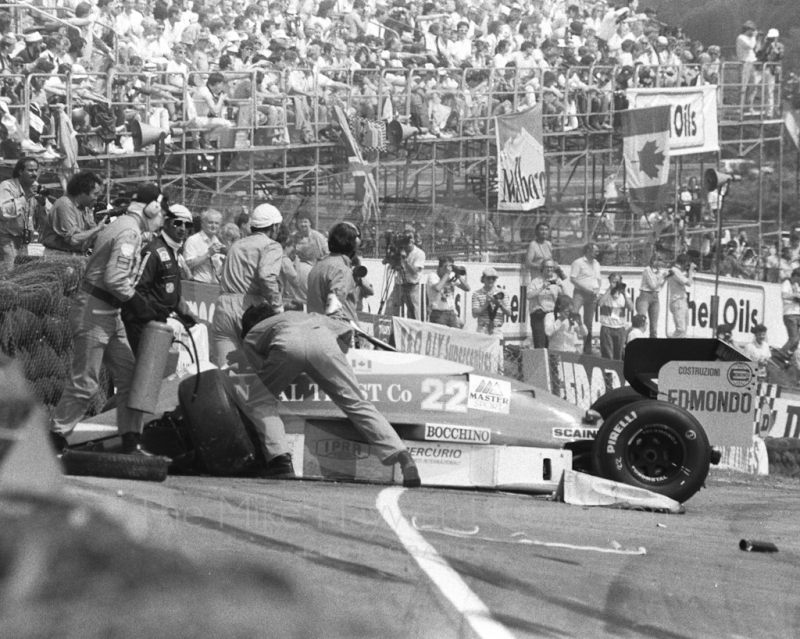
x: 407, y: 260
x: 70, y: 227
x: 18, y: 206
x: 441, y: 288
x: 566, y: 332
x: 681, y: 277
x: 613, y: 305
x: 488, y: 304
x: 543, y: 292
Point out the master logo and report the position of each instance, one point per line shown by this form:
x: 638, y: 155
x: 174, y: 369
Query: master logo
x: 491, y: 395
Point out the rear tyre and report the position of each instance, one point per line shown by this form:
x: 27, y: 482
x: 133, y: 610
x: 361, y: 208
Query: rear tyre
x: 653, y: 445
x: 115, y: 465
x: 613, y: 400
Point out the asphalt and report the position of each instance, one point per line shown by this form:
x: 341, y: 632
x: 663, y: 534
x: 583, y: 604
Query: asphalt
x: 542, y: 569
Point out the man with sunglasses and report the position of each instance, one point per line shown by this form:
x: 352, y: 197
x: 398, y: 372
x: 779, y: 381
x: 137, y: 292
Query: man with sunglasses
x: 160, y: 272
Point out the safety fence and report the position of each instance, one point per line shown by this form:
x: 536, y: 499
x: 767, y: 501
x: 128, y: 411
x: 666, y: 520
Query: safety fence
x: 426, y: 137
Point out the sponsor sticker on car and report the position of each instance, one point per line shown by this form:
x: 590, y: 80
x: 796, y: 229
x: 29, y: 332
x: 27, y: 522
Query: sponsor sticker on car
x: 489, y: 394
x: 458, y: 434
x: 575, y: 433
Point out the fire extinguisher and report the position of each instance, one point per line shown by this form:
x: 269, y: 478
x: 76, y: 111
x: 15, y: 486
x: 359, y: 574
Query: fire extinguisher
x: 151, y: 361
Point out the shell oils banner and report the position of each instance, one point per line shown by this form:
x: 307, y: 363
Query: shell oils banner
x: 520, y: 160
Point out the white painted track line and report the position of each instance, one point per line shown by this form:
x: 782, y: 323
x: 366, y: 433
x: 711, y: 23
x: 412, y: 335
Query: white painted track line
x: 447, y: 580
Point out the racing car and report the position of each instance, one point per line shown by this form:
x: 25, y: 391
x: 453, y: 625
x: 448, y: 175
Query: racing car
x: 464, y: 428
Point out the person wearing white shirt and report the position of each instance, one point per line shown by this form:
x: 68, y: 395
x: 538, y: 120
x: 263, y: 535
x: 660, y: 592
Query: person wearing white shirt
x: 203, y: 250
x: 746, y: 44
x: 565, y: 332
x: 586, y: 277
x: 460, y: 49
x: 681, y: 278
x: 759, y: 351
x: 129, y: 22
x: 440, y: 289
x: 790, y: 294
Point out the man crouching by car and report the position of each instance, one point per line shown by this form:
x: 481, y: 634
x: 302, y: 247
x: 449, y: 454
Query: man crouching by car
x: 282, y: 346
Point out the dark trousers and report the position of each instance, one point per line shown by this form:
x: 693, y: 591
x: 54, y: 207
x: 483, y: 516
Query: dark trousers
x: 612, y: 342
x: 537, y: 329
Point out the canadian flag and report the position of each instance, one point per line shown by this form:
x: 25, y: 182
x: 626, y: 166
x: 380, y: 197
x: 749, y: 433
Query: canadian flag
x: 646, y: 152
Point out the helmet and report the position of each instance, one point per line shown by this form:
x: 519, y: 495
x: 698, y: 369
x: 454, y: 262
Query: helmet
x: 265, y: 215
x: 773, y: 33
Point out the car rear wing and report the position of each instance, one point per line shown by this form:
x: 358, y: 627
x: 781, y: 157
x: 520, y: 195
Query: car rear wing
x: 644, y: 358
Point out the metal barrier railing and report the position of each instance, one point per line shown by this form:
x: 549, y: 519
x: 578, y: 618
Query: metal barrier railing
x: 274, y: 134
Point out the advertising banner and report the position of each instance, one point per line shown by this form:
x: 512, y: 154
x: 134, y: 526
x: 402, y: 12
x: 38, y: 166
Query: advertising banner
x: 201, y: 300
x: 721, y: 395
x: 693, y: 116
x: 520, y: 160
x: 483, y: 352
x: 582, y: 379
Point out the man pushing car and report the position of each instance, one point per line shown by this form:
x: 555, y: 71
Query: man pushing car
x: 282, y: 346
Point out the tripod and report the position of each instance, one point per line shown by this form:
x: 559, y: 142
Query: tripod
x: 388, y: 288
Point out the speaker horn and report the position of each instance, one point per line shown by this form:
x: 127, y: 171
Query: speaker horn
x: 714, y: 179
x: 144, y: 134
x: 397, y: 132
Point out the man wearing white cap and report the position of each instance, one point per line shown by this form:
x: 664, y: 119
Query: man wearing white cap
x: 250, y: 277
x: 160, y: 272
x: 34, y: 44
x: 770, y: 55
x: 488, y: 304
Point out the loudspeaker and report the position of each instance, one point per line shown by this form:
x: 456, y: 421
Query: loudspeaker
x: 397, y: 132
x: 145, y: 134
x: 713, y: 179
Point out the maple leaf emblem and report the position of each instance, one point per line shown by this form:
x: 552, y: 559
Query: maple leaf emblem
x: 650, y: 158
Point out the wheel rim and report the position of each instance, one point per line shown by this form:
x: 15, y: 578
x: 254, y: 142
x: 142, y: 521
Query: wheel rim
x: 655, y: 455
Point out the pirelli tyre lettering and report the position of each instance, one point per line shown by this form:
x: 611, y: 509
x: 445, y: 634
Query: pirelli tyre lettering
x: 654, y: 445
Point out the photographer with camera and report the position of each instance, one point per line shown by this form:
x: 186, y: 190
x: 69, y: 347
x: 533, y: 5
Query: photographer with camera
x: 681, y: 277
x: 566, y: 332
x: 70, y: 227
x: 441, y: 287
x: 488, y: 304
x: 20, y: 200
x: 407, y: 260
x: 543, y: 292
x: 614, y: 305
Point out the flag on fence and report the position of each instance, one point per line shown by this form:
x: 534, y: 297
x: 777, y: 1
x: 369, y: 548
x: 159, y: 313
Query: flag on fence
x: 646, y: 152
x: 520, y: 160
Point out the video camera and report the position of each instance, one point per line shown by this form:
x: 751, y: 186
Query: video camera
x: 396, y: 244
x: 499, y: 296
x: 101, y: 211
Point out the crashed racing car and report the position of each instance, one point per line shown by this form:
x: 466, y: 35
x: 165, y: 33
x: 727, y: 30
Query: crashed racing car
x: 463, y: 428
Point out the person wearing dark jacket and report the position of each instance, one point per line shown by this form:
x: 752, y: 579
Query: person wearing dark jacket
x: 160, y: 272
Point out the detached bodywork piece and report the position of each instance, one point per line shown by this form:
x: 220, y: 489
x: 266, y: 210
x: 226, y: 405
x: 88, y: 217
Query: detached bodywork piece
x: 463, y: 428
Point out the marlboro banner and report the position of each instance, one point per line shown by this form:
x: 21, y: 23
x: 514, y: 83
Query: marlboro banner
x: 646, y: 148
x: 692, y: 116
x: 520, y: 160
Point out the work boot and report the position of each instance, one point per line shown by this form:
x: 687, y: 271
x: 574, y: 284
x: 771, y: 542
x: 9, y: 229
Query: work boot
x: 58, y: 441
x: 279, y: 467
x: 410, y: 473
x: 131, y: 446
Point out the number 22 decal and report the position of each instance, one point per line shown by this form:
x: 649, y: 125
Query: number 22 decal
x: 455, y: 390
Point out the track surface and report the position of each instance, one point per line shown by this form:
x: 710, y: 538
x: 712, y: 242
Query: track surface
x: 693, y: 580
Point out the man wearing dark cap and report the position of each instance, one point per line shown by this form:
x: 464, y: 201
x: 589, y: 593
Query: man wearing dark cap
x: 160, y: 273
x: 98, y: 334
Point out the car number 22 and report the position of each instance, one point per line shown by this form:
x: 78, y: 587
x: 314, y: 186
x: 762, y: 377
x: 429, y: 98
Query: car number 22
x: 448, y: 396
